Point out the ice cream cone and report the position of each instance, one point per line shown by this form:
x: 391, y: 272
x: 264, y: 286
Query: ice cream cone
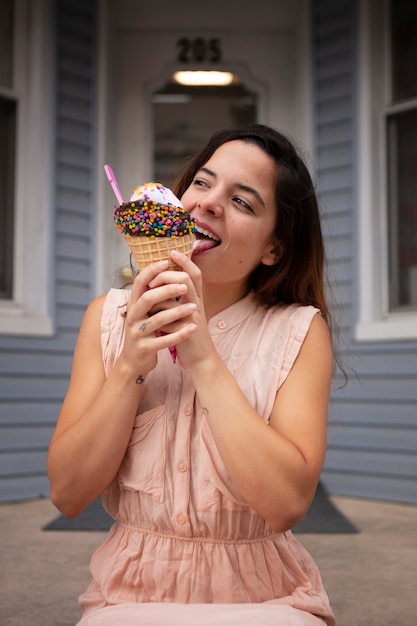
x: 146, y: 250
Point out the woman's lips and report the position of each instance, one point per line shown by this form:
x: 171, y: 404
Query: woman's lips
x: 206, y: 239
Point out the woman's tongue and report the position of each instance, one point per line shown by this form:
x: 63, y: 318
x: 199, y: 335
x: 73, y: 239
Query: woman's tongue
x: 204, y: 243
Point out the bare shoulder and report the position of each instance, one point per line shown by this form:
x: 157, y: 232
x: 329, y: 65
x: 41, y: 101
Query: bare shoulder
x: 301, y: 405
x: 319, y: 331
x: 315, y: 359
x: 317, y: 345
x: 313, y: 366
x: 88, y: 346
x: 90, y: 325
x: 95, y: 308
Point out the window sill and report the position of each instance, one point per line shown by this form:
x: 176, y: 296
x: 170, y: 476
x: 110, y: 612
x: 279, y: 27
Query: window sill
x: 15, y: 321
x: 393, y: 328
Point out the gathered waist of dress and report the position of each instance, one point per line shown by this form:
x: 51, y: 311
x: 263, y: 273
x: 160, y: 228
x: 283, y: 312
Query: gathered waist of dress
x: 199, y: 538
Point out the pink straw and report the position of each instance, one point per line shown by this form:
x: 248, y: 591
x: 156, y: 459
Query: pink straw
x: 173, y: 352
x: 113, y: 182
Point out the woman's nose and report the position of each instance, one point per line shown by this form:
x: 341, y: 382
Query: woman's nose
x: 211, y: 204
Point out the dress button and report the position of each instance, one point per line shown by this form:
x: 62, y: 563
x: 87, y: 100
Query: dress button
x: 188, y: 410
x: 182, y: 467
x: 181, y: 519
x: 222, y: 324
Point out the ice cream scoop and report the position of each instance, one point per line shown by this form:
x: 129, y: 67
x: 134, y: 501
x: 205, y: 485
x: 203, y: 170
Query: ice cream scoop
x: 153, y: 223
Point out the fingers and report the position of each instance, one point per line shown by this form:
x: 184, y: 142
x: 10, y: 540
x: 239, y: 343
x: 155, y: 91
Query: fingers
x: 142, y: 280
x: 162, y: 319
x: 191, y: 275
x: 144, y: 297
x: 149, y: 334
x: 161, y: 309
x: 188, y: 266
x: 144, y: 336
x: 184, y: 261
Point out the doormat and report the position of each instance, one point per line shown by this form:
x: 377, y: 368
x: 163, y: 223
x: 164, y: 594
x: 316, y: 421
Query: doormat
x: 322, y: 517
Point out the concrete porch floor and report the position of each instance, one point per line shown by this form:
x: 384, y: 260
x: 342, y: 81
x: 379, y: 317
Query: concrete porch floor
x: 370, y: 576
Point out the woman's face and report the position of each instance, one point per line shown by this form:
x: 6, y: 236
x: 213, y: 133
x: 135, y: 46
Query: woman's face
x: 232, y: 200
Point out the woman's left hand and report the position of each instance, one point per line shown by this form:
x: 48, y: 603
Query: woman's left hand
x: 198, y: 346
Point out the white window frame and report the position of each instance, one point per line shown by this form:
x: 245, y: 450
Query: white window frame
x: 29, y: 312
x: 375, y: 322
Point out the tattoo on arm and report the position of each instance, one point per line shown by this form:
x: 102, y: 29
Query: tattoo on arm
x: 139, y: 379
x: 204, y: 410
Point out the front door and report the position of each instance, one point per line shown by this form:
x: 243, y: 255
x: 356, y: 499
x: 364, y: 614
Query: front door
x: 153, y: 123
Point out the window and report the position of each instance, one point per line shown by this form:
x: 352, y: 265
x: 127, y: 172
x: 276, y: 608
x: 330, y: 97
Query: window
x: 8, y: 107
x: 387, y: 170
x: 25, y: 167
x: 402, y: 207
x: 401, y: 126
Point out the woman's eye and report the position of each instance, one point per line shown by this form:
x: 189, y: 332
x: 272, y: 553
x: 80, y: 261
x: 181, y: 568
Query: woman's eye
x: 200, y: 183
x: 243, y: 204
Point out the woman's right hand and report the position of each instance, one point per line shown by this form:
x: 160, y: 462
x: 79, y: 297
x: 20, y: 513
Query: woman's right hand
x: 148, y: 311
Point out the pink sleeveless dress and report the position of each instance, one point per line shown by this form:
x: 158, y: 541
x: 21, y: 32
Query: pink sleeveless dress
x: 185, y: 548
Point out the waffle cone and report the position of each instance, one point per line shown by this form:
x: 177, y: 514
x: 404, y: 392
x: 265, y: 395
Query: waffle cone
x: 146, y: 250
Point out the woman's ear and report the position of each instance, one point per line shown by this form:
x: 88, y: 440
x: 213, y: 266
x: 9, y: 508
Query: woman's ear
x: 272, y: 254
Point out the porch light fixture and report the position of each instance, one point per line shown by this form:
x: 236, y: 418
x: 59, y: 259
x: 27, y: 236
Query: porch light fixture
x: 199, y: 78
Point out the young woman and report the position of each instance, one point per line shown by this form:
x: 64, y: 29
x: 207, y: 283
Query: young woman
x: 207, y: 464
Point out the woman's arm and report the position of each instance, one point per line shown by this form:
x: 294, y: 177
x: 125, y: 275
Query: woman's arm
x: 98, y: 413
x: 276, y: 467
x: 94, y: 424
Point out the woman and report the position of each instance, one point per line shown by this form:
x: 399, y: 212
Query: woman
x: 206, y: 465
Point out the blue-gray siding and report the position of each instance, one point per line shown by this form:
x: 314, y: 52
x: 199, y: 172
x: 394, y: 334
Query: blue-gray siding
x: 372, y: 449
x: 372, y: 441
x: 34, y: 372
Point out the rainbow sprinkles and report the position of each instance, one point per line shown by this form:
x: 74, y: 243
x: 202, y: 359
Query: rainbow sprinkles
x: 153, y: 211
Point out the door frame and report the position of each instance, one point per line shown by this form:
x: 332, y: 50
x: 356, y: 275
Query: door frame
x: 110, y: 249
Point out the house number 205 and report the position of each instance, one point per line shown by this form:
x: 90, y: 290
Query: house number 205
x: 199, y: 50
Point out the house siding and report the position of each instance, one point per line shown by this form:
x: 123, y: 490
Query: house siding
x: 34, y: 372
x: 372, y: 437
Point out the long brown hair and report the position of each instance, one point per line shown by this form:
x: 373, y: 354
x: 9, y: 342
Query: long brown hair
x: 298, y: 276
